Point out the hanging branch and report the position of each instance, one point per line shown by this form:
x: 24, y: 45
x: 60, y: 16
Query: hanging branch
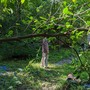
x: 78, y: 56
x: 74, y: 51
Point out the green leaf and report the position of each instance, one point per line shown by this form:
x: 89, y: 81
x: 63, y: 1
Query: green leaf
x: 0, y: 25
x: 11, y: 10
x: 43, y: 18
x: 37, y: 9
x: 59, y: 27
x: 74, y: 1
x: 88, y: 23
x: 68, y: 25
x: 17, y: 24
x: 4, y: 2
x: 73, y: 32
x: 65, y: 3
x: 35, y: 20
x: 70, y: 13
x: 22, y: 1
x: 66, y: 11
x: 10, y: 33
x: 31, y: 17
x: 34, y: 29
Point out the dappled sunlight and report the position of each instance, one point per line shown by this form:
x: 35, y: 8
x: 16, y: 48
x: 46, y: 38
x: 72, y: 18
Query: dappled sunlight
x: 30, y: 75
x: 49, y: 77
x: 44, y: 44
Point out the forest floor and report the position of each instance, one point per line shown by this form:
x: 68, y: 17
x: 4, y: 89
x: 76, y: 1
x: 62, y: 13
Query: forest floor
x: 28, y: 75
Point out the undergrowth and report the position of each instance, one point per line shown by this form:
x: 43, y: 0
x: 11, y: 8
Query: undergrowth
x: 28, y: 75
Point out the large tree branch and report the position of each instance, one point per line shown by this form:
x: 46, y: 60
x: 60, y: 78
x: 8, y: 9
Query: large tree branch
x: 17, y: 38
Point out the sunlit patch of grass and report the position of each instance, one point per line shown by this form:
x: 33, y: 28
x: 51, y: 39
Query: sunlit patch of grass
x: 37, y: 78
x: 34, y: 77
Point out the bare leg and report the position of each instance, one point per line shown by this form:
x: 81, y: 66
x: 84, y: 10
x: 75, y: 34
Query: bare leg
x: 42, y: 64
x: 46, y: 60
x: 43, y: 60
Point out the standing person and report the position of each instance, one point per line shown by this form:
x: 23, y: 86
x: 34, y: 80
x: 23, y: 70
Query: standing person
x: 45, y: 51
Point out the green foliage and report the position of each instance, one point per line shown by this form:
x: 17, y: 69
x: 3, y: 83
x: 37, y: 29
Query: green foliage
x: 42, y: 22
x: 83, y: 71
x: 84, y: 76
x: 19, y: 50
x: 60, y: 54
x: 66, y: 11
x: 22, y: 1
x: 74, y: 1
x: 88, y: 23
x: 42, y: 16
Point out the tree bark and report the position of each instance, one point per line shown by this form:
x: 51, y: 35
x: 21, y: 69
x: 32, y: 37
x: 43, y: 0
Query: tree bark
x: 17, y: 38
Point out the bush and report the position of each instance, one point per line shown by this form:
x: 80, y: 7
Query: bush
x: 19, y: 50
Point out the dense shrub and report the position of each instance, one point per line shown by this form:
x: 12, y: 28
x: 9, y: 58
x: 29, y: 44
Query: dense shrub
x: 19, y: 50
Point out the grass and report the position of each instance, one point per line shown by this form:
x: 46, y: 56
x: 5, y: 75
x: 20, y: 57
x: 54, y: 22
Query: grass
x: 28, y: 75
x: 53, y: 76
